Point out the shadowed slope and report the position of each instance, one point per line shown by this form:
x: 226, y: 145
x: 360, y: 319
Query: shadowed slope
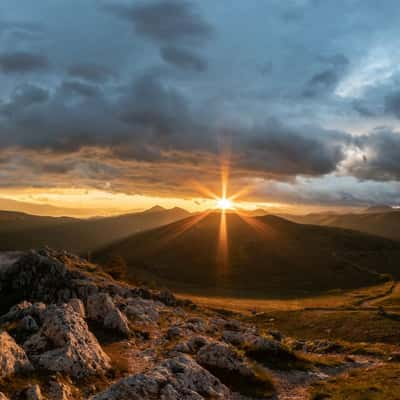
x: 264, y: 256
x: 12, y: 221
x: 81, y: 236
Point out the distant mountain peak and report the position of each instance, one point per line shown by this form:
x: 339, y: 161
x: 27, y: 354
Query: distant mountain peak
x: 155, y: 208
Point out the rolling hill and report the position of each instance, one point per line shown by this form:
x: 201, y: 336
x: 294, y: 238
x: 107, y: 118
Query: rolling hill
x: 20, y: 231
x: 51, y: 210
x: 385, y: 224
x: 11, y: 221
x: 263, y: 256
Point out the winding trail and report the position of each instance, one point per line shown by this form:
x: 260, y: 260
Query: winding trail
x: 374, y: 301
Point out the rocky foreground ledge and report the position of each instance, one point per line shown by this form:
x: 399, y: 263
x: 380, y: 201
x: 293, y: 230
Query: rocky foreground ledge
x: 69, y: 331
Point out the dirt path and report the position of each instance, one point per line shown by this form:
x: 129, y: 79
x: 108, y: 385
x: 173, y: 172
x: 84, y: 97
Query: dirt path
x: 371, y: 302
x: 374, y: 301
x: 296, y: 385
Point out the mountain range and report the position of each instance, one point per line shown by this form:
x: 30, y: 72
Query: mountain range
x: 373, y: 221
x: 19, y: 231
x: 254, y: 256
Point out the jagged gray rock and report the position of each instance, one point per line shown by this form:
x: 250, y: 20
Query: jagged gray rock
x: 65, y: 344
x: 174, y: 379
x: 100, y: 307
x: 224, y: 357
x: 142, y: 310
x: 13, y: 358
x: 28, y: 324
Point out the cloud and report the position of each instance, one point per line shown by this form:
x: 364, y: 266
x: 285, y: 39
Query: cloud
x: 79, y: 88
x: 91, y: 72
x: 22, y: 62
x: 153, y: 125
x: 123, y: 100
x: 363, y: 109
x: 378, y: 156
x: 23, y: 97
x: 326, y: 80
x: 166, y: 21
x: 183, y: 58
x: 321, y: 82
x: 277, y: 149
x: 336, y: 60
x: 392, y: 104
x: 330, y: 191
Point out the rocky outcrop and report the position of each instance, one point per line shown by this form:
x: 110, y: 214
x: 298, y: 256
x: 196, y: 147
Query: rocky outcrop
x: 100, y: 307
x: 159, y: 347
x: 143, y: 311
x: 13, y: 358
x: 222, y: 356
x: 65, y: 344
x: 176, y: 378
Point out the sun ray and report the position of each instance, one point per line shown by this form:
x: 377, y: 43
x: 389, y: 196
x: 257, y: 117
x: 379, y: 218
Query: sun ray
x: 261, y: 228
x: 183, y: 227
x: 222, y: 253
x: 204, y: 190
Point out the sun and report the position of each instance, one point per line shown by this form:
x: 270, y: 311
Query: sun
x: 224, y: 204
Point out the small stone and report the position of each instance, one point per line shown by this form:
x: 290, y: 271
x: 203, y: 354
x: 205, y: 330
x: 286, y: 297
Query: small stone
x: 34, y: 393
x: 174, y: 332
x: 101, y: 307
x: 28, y: 324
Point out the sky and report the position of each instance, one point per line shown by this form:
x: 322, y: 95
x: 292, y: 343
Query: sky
x: 123, y: 104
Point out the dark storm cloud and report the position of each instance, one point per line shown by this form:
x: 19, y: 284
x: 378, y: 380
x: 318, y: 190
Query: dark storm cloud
x: 91, y: 72
x: 278, y: 149
x: 153, y: 122
x: 362, y: 109
x: 21, y: 62
x: 380, y: 159
x: 183, y: 58
x: 392, y: 104
x: 23, y: 97
x: 80, y: 88
x: 165, y: 20
x: 326, y: 80
x: 321, y: 82
x: 112, y: 106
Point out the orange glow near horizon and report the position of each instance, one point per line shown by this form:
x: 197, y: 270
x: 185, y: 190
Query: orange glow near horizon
x: 224, y: 204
